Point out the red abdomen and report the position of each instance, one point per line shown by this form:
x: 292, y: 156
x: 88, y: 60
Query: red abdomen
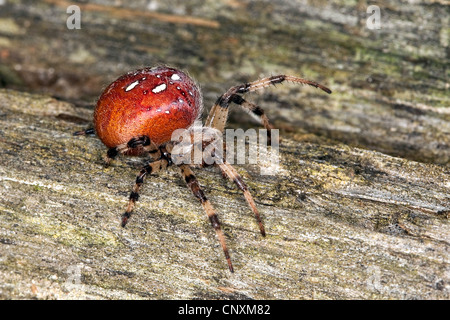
x: 150, y: 101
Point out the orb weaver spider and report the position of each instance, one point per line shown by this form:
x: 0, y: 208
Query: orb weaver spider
x: 138, y: 113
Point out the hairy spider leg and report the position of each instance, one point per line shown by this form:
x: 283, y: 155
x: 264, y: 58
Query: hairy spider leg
x: 152, y: 167
x: 137, y: 145
x: 230, y: 172
x: 84, y: 132
x: 255, y: 111
x: 193, y: 184
x: 218, y: 115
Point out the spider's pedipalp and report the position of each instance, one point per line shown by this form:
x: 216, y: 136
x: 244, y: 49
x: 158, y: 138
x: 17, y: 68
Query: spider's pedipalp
x: 193, y: 184
x: 231, y: 173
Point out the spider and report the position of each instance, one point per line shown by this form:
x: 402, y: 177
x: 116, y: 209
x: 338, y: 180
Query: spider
x: 138, y: 113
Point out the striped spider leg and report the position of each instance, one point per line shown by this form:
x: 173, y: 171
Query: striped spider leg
x: 193, y: 184
x: 138, y: 145
x: 218, y: 115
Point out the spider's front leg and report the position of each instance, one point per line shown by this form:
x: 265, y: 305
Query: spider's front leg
x: 219, y: 112
x: 256, y: 112
x: 193, y: 184
x: 229, y: 172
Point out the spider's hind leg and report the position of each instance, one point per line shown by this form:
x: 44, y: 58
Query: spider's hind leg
x: 84, y: 132
x: 150, y: 168
x: 135, y: 146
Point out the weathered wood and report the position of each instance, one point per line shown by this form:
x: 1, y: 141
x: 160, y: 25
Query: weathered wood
x: 342, y: 221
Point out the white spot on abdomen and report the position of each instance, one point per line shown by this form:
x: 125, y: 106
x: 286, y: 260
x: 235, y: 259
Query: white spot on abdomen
x: 159, y: 88
x: 131, y: 86
x: 175, y: 77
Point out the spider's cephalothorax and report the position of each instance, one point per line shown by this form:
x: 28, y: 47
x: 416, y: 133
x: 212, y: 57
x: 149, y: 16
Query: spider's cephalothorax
x: 138, y: 113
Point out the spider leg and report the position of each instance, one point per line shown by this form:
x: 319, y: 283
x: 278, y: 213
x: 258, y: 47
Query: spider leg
x: 136, y: 146
x: 230, y: 172
x: 219, y: 112
x: 84, y: 132
x: 150, y: 168
x: 193, y: 184
x: 265, y: 82
x: 255, y: 111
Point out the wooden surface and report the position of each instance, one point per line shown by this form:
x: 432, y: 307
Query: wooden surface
x: 359, y: 210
